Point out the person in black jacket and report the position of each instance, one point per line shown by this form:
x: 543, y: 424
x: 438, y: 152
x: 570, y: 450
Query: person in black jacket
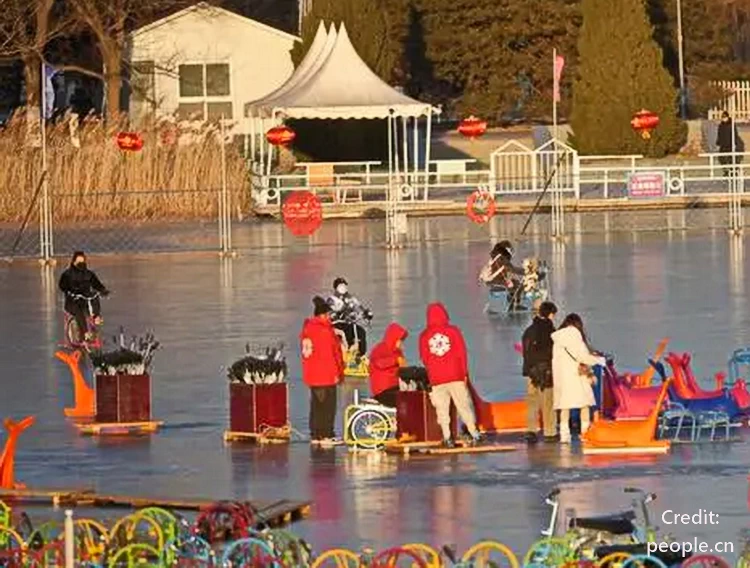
x: 728, y: 140
x: 503, y: 273
x: 537, y: 369
x: 79, y: 283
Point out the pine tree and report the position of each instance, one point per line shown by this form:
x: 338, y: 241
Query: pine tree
x: 621, y: 71
x: 377, y: 29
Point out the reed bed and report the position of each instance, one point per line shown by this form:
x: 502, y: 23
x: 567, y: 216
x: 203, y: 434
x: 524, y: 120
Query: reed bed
x: 171, y: 178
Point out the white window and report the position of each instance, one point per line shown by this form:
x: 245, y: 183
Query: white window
x: 205, y: 92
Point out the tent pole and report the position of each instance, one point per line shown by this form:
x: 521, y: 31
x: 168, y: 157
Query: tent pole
x: 252, y: 142
x: 427, y: 144
x: 416, y: 155
x: 405, y: 143
x: 270, y: 149
x: 389, y: 189
x: 262, y: 147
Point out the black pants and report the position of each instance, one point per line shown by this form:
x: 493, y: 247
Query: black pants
x: 322, y: 412
x: 79, y: 309
x: 388, y: 397
x: 354, y: 332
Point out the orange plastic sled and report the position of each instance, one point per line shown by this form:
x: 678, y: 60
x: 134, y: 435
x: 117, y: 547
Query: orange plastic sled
x: 83, y: 394
x: 8, y: 457
x: 628, y: 437
x: 504, y: 416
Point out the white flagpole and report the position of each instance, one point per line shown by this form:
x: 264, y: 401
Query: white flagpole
x: 554, y: 92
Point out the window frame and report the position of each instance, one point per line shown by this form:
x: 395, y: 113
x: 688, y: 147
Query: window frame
x: 206, y: 99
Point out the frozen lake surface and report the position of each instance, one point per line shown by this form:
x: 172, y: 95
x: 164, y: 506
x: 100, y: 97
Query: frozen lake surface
x: 631, y: 291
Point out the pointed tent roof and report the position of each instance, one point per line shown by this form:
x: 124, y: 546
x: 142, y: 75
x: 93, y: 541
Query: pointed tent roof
x: 336, y: 84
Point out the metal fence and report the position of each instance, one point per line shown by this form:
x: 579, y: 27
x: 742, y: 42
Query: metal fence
x: 581, y: 194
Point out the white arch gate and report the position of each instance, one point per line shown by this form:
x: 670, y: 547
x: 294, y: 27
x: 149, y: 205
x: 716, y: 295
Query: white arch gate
x: 516, y: 169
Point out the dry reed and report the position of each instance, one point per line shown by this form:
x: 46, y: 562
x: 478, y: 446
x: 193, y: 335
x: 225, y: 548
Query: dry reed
x: 98, y: 181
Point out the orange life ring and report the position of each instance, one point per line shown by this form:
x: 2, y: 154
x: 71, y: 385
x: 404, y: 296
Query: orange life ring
x: 480, y: 206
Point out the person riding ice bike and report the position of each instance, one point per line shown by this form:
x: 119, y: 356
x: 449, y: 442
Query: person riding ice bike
x: 501, y: 274
x: 349, y: 316
x: 82, y: 289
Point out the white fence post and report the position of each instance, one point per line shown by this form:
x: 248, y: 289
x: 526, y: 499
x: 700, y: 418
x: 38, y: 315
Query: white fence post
x: 69, y: 540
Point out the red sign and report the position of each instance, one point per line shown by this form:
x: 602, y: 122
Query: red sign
x: 480, y: 206
x: 646, y: 184
x: 129, y: 141
x: 302, y: 213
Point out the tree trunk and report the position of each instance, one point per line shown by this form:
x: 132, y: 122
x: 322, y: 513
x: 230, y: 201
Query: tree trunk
x: 32, y: 80
x: 112, y: 58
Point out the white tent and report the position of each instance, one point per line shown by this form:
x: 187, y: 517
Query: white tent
x: 333, y: 82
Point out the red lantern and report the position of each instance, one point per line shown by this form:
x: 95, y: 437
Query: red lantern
x: 644, y: 121
x: 129, y: 141
x: 169, y: 135
x: 481, y: 206
x: 302, y: 213
x: 280, y: 136
x: 472, y: 127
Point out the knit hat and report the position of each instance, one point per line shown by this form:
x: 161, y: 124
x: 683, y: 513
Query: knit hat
x: 338, y: 281
x: 321, y: 306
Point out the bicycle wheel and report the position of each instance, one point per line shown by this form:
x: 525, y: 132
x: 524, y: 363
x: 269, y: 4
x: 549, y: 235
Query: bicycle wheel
x: 614, y: 560
x: 369, y: 429
x: 337, y: 558
x: 250, y: 553
x: 91, y: 539
x: 138, y: 554
x: 425, y: 552
x: 706, y: 561
x: 643, y: 561
x: 490, y: 553
x: 548, y: 552
x: 398, y: 558
x: 73, y: 334
x: 289, y: 548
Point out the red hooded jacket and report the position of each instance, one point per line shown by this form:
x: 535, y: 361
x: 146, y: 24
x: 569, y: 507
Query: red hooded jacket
x: 384, y: 360
x: 442, y: 348
x: 322, y: 359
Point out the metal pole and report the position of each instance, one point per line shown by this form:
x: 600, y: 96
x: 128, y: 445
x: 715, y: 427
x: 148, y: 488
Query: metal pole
x: 554, y: 99
x: 223, y: 193
x: 405, y: 144
x: 427, y: 140
x: 70, y: 555
x: 44, y: 211
x: 416, y: 154
x: 681, y: 61
x: 389, y: 190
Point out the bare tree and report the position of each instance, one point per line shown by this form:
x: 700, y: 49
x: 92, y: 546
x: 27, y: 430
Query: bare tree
x: 26, y: 27
x: 110, y: 21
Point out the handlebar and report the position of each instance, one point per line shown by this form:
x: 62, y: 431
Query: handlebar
x: 82, y: 297
x: 645, y: 497
x: 552, y: 494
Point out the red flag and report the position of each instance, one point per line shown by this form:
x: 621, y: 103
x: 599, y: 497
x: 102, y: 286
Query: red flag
x: 558, y: 69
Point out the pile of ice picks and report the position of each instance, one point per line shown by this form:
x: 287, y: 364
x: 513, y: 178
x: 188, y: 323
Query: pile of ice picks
x: 413, y: 379
x: 263, y: 369
x: 132, y: 357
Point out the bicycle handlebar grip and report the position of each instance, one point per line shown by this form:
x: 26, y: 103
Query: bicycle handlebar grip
x: 554, y: 493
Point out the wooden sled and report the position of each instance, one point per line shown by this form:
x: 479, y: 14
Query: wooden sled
x: 264, y: 438
x: 499, y: 417
x: 628, y: 437
x: 118, y: 428
x: 434, y: 448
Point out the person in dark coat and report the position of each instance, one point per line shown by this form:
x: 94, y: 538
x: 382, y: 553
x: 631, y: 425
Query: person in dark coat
x: 505, y: 274
x: 537, y: 369
x: 728, y: 141
x: 78, y: 283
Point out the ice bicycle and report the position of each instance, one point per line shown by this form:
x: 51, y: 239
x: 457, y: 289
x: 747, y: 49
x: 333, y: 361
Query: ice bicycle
x: 534, y: 288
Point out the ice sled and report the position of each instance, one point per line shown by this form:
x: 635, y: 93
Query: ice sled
x: 499, y: 416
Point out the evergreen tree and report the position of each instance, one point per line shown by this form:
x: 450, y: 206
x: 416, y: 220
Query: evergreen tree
x: 494, y: 57
x: 377, y: 29
x: 621, y: 71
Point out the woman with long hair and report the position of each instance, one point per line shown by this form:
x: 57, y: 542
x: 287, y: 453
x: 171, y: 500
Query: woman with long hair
x: 572, y: 382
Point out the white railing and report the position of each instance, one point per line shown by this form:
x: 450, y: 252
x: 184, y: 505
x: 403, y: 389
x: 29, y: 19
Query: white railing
x: 581, y: 177
x: 736, y: 101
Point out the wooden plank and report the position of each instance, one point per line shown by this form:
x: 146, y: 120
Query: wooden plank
x: 118, y: 428
x: 464, y: 450
x: 230, y: 436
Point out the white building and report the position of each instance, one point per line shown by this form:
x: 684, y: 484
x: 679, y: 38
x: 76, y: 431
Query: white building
x: 204, y: 62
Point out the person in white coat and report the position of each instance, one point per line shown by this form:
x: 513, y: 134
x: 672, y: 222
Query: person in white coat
x: 572, y: 386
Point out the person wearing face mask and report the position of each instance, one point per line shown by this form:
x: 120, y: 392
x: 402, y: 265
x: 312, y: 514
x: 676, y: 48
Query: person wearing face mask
x: 77, y: 280
x: 348, y: 315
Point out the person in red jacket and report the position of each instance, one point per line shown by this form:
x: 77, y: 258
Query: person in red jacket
x: 385, y: 361
x: 443, y: 352
x: 322, y: 370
